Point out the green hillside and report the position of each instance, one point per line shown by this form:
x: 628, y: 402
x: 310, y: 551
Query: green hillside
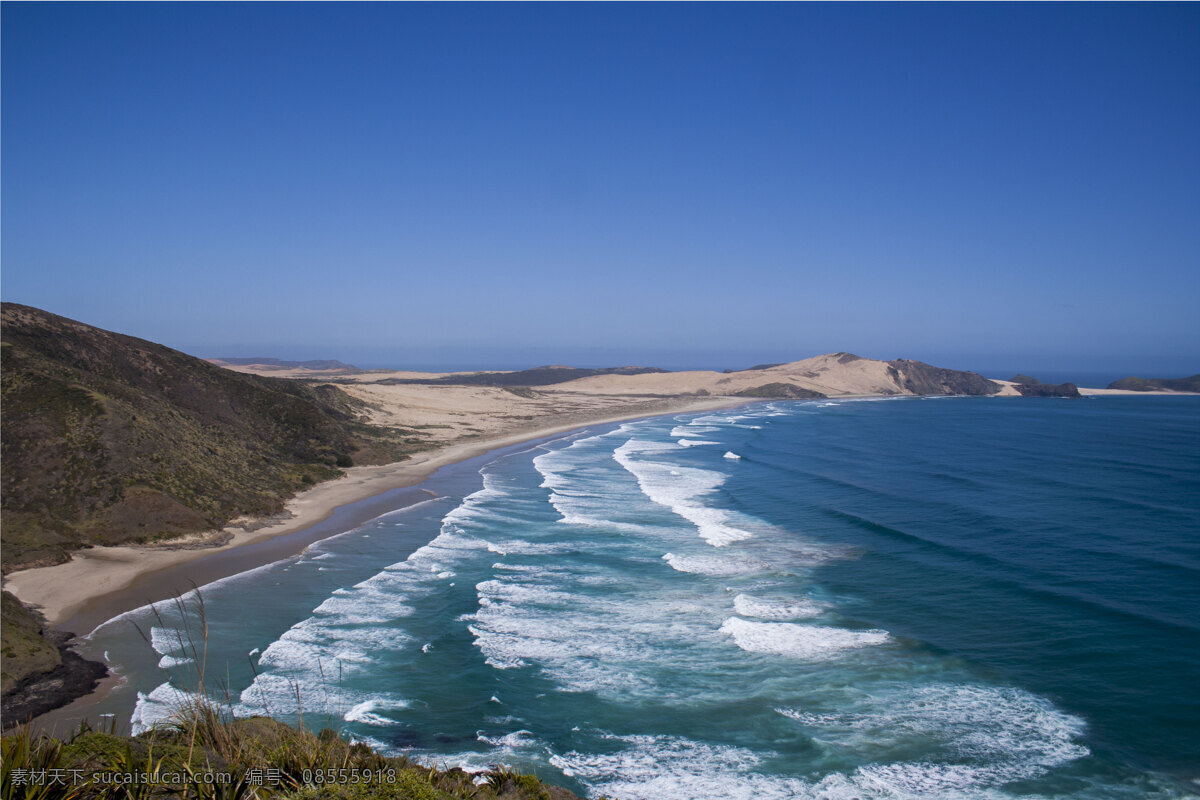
x: 110, y: 439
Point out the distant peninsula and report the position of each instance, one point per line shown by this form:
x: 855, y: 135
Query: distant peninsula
x: 326, y: 365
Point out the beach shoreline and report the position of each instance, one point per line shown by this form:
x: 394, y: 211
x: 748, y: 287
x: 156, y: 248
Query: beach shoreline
x: 93, y: 586
x: 102, y: 583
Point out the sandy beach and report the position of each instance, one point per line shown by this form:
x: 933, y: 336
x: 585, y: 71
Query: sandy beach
x: 455, y: 423
x: 1128, y: 393
x: 95, y: 585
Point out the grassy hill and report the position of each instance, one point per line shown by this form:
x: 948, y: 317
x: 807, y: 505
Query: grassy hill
x: 110, y: 439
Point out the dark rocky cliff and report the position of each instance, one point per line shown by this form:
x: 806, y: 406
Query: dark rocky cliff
x: 1032, y: 387
x: 918, y: 377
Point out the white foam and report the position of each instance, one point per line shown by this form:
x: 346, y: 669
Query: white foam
x: 692, y: 429
x: 168, y: 641
x: 904, y: 781
x: 511, y: 741
x: 281, y: 692
x: 807, y: 642
x: 505, y: 749
x: 170, y: 662
x: 989, y: 735
x: 364, y: 712
x: 583, y: 484
x: 749, y: 606
x: 522, y: 547
x: 494, y: 590
x: 161, y: 705
x: 680, y: 489
x: 732, y: 456
x: 678, y: 768
x: 370, y: 604
x: 610, y: 644
x: 675, y: 768
x: 731, y: 420
x: 512, y: 638
x: 716, y: 566
x: 694, y: 442
x: 475, y: 505
x: 173, y: 645
x: 523, y: 568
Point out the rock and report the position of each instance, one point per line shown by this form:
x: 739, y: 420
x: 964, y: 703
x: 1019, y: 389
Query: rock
x: 1048, y: 390
x: 917, y: 377
x: 74, y: 677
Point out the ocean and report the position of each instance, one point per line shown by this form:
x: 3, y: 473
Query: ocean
x: 899, y: 598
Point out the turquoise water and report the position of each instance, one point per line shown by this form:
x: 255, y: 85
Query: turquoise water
x: 910, y: 598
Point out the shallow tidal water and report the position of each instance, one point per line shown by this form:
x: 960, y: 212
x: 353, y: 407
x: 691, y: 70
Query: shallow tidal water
x: 903, y: 598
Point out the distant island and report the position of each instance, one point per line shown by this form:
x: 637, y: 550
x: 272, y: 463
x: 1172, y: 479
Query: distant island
x: 1131, y: 384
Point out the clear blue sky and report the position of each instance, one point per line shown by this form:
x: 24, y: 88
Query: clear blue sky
x: 980, y: 186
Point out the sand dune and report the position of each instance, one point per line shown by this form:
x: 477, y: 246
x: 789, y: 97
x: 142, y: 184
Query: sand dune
x: 834, y: 374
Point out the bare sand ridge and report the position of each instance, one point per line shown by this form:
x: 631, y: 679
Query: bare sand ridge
x: 833, y: 374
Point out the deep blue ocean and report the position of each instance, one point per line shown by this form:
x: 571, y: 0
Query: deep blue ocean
x: 902, y: 598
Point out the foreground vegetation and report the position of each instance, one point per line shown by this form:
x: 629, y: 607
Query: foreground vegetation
x: 204, y: 756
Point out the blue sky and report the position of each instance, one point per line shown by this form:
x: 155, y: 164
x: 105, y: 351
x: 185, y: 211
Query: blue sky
x: 979, y: 186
